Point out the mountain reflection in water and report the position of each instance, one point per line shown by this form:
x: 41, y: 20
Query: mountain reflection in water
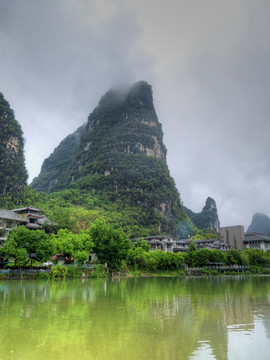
x: 137, y: 318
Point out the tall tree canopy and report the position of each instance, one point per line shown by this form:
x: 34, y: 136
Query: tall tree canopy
x: 110, y: 245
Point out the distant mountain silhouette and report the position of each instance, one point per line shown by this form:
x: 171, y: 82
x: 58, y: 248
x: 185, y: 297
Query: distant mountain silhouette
x: 260, y: 223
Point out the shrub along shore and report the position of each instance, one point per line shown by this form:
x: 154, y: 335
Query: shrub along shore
x: 145, y: 263
x: 63, y: 272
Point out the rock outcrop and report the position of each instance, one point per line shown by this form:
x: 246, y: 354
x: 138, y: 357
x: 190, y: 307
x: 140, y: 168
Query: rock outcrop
x: 207, y: 218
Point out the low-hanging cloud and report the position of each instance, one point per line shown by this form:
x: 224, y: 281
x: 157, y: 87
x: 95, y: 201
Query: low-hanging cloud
x: 58, y: 58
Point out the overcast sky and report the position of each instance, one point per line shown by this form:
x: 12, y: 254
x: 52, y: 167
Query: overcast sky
x: 208, y: 62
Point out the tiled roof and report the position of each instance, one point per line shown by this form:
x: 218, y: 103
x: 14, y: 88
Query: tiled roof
x: 30, y: 208
x: 256, y: 237
x: 157, y: 237
x: 10, y: 215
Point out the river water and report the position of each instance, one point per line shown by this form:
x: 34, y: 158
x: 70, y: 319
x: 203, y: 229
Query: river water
x: 136, y: 318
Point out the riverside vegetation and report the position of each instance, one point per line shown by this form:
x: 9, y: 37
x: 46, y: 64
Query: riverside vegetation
x: 113, y: 247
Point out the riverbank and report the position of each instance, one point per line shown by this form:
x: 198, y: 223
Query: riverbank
x: 73, y: 272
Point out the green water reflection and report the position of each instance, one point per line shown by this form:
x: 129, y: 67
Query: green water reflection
x: 139, y: 318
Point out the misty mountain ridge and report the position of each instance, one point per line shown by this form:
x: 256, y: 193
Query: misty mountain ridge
x: 260, y: 223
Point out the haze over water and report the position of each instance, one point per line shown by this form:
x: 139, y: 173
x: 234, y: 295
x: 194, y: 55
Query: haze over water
x: 136, y: 318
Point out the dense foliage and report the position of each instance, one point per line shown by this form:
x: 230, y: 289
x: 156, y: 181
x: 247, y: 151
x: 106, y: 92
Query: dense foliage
x: 157, y: 260
x: 24, y: 245
x: 73, y: 246
x: 13, y: 174
x: 140, y: 259
x: 111, y: 246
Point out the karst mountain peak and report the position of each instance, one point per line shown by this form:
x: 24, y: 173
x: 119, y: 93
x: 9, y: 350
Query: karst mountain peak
x: 120, y: 152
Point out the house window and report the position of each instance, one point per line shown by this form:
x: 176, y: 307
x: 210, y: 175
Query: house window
x: 32, y: 221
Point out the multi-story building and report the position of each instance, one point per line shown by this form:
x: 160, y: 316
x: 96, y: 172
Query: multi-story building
x: 210, y: 244
x: 257, y: 241
x: 168, y: 243
x: 33, y: 216
x: 30, y: 217
x: 234, y: 236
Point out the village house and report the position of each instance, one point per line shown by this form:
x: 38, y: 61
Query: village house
x: 34, y: 217
x: 168, y: 243
x: 257, y: 241
x: 162, y: 242
x: 8, y: 221
x: 210, y: 244
x: 159, y: 242
x: 28, y: 216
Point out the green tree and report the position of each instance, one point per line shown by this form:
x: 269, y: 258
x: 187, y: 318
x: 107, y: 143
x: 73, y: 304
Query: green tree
x: 258, y: 257
x: 190, y: 256
x: 191, y: 247
x: 111, y: 246
x: 233, y: 257
x: 142, y: 244
x: 82, y: 256
x: 78, y: 246
x: 217, y: 256
x: 244, y: 258
x: 137, y: 257
x: 22, y: 243
x: 202, y: 257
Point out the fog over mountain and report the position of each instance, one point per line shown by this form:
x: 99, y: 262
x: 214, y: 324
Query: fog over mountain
x: 207, y: 62
x: 260, y: 224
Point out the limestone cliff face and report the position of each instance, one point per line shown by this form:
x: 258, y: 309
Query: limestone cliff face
x: 119, y: 152
x: 13, y: 174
